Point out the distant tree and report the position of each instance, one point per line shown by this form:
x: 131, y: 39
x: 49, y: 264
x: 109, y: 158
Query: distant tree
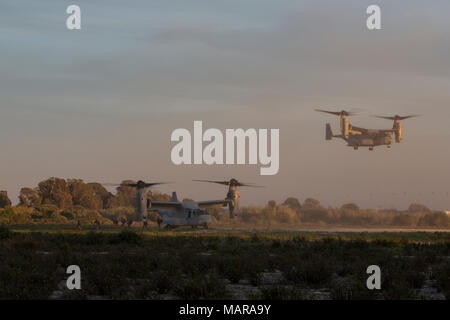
x: 417, y: 207
x: 292, y: 203
x: 271, y: 204
x: 48, y: 210
x: 311, y: 203
x: 101, y: 192
x: 126, y: 196
x: 435, y: 219
x: 285, y: 214
x: 188, y: 200
x: 350, y: 206
x: 404, y: 219
x: 55, y: 191
x: 84, y: 195
x: 4, y: 200
x: 29, y: 197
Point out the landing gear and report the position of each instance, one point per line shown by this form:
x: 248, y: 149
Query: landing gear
x: 355, y: 147
x: 371, y: 148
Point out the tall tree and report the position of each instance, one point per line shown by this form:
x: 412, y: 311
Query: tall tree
x: 29, y: 197
x: 350, y: 206
x: 126, y: 196
x: 292, y: 203
x: 418, y: 207
x: 4, y: 200
x: 311, y: 203
x: 83, y: 195
x: 55, y: 191
x: 101, y: 192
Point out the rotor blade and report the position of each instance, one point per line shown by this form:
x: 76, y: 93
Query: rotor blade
x: 148, y: 185
x: 133, y: 185
x: 407, y: 117
x: 338, y: 113
x: 397, y: 117
x: 383, y: 117
x: 227, y: 183
x: 212, y: 181
x: 330, y: 112
x: 249, y: 185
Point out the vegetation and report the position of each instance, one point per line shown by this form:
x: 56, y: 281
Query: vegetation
x: 4, y: 200
x: 72, y: 201
x: 311, y: 213
x: 219, y: 265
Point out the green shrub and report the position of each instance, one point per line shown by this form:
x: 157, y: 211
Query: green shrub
x: 202, y: 287
x: 94, y: 238
x: 163, y: 282
x: 125, y: 236
x: 5, y: 233
x: 442, y: 274
x: 281, y: 293
x: 351, y: 288
x: 68, y: 215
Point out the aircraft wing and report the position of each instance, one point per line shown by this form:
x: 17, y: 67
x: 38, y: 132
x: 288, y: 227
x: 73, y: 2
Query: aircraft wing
x: 212, y: 203
x: 357, y: 130
x: 155, y: 205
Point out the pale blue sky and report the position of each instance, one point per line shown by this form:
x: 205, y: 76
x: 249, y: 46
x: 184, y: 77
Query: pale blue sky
x: 100, y: 103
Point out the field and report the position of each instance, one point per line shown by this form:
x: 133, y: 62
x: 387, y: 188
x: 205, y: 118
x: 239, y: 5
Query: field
x: 128, y: 263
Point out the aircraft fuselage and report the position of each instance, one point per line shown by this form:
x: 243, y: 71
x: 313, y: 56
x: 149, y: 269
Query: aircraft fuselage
x: 362, y: 140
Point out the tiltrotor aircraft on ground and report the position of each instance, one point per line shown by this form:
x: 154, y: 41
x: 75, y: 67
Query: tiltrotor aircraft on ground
x: 186, y: 213
x: 361, y: 137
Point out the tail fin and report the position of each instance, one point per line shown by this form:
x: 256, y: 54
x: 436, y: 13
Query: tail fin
x: 328, y: 132
x: 174, y: 197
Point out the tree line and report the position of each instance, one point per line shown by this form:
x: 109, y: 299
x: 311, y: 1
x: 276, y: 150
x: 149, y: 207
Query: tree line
x: 65, y: 194
x: 57, y: 200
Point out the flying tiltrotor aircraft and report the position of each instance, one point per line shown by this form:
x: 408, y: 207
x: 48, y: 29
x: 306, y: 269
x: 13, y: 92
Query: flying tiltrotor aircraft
x: 186, y: 213
x: 361, y: 137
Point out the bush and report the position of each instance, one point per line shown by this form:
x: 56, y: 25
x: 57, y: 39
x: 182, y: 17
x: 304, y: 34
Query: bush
x: 209, y: 287
x: 436, y: 219
x: 281, y: 293
x: 125, y: 236
x: 5, y: 233
x: 163, y: 282
x: 68, y: 215
x: 442, y: 274
x: 14, y: 216
x: 94, y: 238
x: 351, y: 288
x: 312, y: 271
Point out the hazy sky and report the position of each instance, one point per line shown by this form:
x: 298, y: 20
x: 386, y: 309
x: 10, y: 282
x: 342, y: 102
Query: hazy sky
x: 100, y: 103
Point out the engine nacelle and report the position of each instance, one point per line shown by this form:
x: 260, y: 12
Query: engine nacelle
x: 345, y: 126
x: 398, y: 127
x: 141, y: 203
x: 233, y: 195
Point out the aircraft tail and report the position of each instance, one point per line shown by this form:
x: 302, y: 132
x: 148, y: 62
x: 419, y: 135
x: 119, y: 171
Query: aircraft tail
x: 174, y: 197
